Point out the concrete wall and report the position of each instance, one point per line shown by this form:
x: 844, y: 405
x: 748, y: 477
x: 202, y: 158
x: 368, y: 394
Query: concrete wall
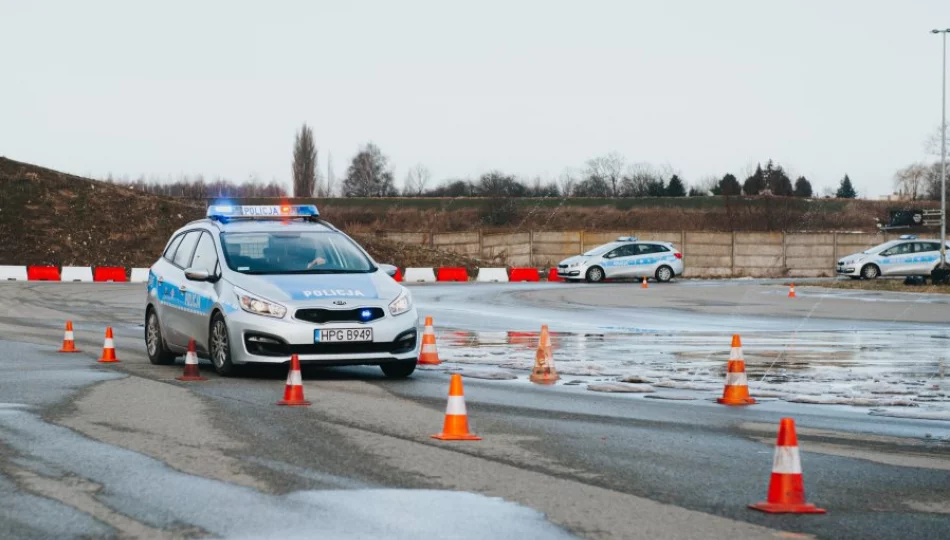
x: 706, y: 254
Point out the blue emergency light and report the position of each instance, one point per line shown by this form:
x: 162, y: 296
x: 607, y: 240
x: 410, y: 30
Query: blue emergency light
x: 221, y: 212
x: 908, y: 237
x: 627, y: 239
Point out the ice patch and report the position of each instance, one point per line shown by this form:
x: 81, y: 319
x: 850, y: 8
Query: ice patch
x: 922, y: 414
x: 490, y: 375
x: 853, y: 401
x: 621, y: 388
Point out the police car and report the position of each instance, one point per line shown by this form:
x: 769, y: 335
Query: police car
x: 627, y: 257
x: 907, y: 256
x: 260, y: 283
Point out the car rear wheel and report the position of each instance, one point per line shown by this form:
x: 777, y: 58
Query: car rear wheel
x: 399, y: 369
x: 870, y: 271
x: 221, y: 346
x: 154, y: 343
x: 595, y: 274
x: 664, y: 274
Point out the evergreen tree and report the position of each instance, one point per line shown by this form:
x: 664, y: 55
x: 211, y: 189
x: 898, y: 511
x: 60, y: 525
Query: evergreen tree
x: 846, y: 190
x: 675, y: 187
x: 803, y: 187
x: 304, y: 166
x: 777, y: 181
x: 754, y: 184
x: 729, y: 185
x: 656, y: 188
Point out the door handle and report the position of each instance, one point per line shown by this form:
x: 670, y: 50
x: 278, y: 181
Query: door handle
x: 182, y: 288
x: 160, y: 280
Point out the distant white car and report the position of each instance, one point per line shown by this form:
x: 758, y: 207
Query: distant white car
x: 908, y: 256
x: 627, y: 257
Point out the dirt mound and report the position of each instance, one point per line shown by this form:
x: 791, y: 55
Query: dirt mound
x: 49, y: 217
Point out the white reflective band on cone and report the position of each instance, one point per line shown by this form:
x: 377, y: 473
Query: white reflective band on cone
x: 294, y: 378
x: 456, y: 406
x: 786, y: 460
x: 429, y: 348
x: 191, y: 358
x: 69, y: 336
x: 736, y: 379
x: 736, y: 353
x: 109, y: 344
x: 428, y: 330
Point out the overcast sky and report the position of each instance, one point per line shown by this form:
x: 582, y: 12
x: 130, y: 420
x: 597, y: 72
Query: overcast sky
x: 218, y: 88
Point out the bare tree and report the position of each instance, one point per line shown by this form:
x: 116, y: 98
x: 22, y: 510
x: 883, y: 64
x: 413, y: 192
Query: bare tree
x: 933, y: 143
x: 417, y: 179
x: 911, y: 180
x: 640, y: 179
x: 305, y: 163
x: 608, y: 168
x: 567, y: 181
x: 369, y: 174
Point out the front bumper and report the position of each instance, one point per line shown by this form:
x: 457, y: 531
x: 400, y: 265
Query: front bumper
x: 848, y: 270
x: 260, y: 339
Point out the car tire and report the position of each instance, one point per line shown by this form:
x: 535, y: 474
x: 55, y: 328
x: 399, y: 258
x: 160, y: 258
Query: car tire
x: 663, y: 274
x: 398, y: 369
x: 595, y: 274
x: 219, y: 347
x: 870, y: 271
x: 158, y: 353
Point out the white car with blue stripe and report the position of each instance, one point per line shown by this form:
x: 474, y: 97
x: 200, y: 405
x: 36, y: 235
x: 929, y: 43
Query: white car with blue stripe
x: 907, y: 256
x: 627, y: 257
x: 259, y: 283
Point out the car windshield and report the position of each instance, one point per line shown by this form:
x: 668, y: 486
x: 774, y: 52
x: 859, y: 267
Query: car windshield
x: 600, y: 250
x: 294, y: 253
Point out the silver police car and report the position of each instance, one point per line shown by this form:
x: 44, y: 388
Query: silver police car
x: 627, y: 257
x: 260, y: 283
x: 907, y: 256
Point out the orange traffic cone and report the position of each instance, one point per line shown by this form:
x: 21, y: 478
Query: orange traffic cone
x: 191, y: 365
x: 737, y: 386
x: 429, y: 355
x: 108, y: 348
x: 456, y: 418
x: 544, y: 372
x: 644, y: 284
x: 293, y: 392
x: 69, y: 343
x: 786, y: 487
x: 791, y: 291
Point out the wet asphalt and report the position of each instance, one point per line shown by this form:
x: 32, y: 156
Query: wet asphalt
x: 594, y: 464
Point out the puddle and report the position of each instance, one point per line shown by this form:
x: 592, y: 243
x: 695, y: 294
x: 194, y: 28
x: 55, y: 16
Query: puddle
x: 857, y: 368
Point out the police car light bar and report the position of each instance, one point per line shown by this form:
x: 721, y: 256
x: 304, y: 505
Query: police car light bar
x: 627, y: 239
x: 908, y: 237
x: 226, y: 212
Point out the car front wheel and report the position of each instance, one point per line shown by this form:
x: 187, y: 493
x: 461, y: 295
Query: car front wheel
x: 664, y: 274
x: 595, y: 274
x: 221, y: 346
x: 399, y: 369
x: 154, y: 343
x: 870, y: 271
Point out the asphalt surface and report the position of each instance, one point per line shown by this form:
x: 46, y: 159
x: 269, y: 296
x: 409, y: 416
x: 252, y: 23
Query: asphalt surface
x: 125, y: 450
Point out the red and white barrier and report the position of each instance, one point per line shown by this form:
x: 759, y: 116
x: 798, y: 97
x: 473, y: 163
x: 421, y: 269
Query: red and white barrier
x: 13, y: 273
x: 491, y: 275
x: 452, y: 274
x: 419, y: 275
x: 76, y: 273
x: 524, y: 274
x: 110, y: 273
x: 139, y: 275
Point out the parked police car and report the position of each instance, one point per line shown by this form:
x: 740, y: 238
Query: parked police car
x: 907, y: 256
x: 627, y: 257
x: 259, y: 283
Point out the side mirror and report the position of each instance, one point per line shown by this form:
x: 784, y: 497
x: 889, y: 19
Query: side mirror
x: 193, y: 274
x: 389, y: 269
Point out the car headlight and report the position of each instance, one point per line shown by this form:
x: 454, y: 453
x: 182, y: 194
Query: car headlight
x: 576, y: 264
x: 401, y: 304
x: 257, y: 306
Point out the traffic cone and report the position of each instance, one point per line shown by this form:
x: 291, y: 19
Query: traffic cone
x: 69, y: 343
x: 108, y: 348
x: 791, y: 291
x: 737, y: 386
x: 429, y: 355
x: 544, y: 371
x: 786, y: 487
x: 191, y: 365
x: 644, y: 284
x: 293, y: 392
x: 456, y: 418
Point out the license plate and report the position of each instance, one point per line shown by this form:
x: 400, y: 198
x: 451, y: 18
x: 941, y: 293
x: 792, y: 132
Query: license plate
x: 342, y: 335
